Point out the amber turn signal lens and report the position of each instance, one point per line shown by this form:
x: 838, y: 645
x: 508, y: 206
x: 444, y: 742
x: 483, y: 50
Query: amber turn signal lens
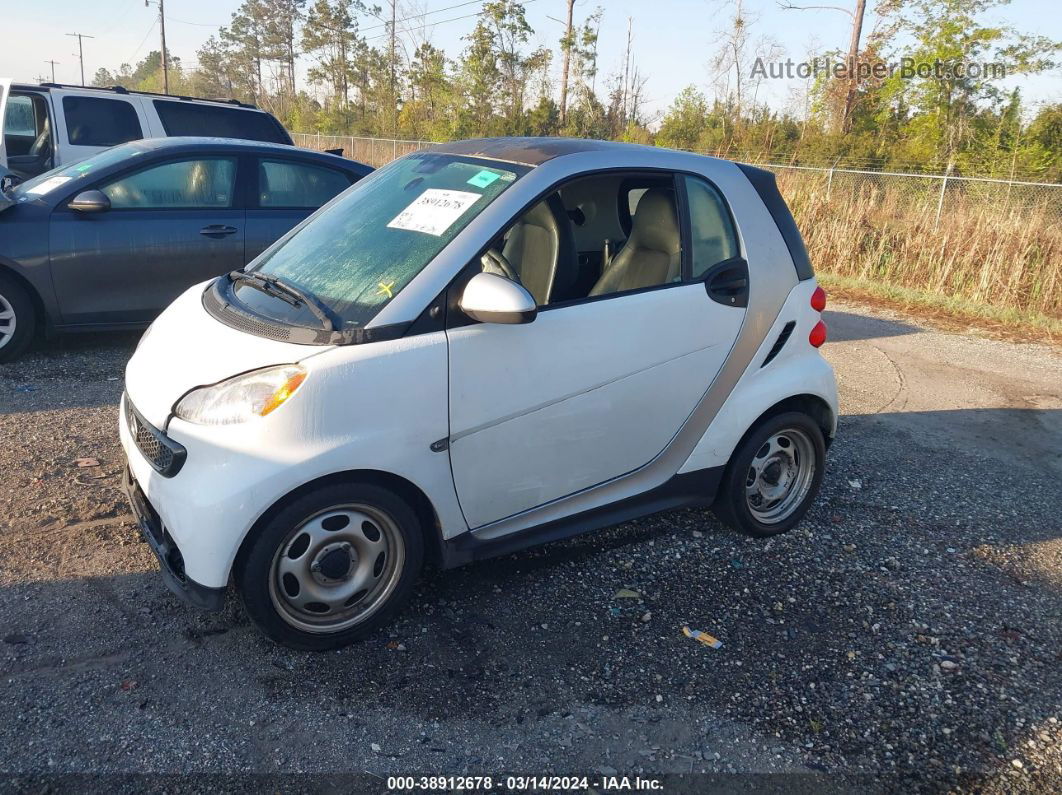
x: 282, y: 394
x: 817, y: 335
x: 818, y: 299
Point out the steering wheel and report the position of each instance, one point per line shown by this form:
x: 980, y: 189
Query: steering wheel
x: 495, y: 262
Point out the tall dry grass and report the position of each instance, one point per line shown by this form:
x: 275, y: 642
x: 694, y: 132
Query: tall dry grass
x: 1002, y: 250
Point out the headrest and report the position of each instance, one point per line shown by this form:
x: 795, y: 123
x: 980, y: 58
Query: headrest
x: 654, y: 224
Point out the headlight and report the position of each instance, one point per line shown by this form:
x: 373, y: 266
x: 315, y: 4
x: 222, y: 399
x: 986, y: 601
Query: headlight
x: 242, y: 398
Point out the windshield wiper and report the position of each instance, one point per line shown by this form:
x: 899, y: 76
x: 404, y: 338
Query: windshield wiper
x: 289, y: 293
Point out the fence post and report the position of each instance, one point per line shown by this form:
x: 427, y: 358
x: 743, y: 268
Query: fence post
x: 318, y: 140
x: 940, y: 200
x: 394, y: 149
x: 829, y: 184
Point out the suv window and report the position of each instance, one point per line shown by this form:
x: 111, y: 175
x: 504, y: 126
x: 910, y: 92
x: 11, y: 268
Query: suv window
x: 187, y: 118
x: 182, y: 184
x: 283, y: 183
x: 19, y: 118
x: 712, y: 230
x: 91, y: 121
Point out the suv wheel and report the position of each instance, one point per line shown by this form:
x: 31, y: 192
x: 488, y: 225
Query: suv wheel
x: 18, y: 318
x: 331, y: 567
x: 773, y: 476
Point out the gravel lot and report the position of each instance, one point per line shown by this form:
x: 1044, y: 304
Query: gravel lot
x: 908, y: 631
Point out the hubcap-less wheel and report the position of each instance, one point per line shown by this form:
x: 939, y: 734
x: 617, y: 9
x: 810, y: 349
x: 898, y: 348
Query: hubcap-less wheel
x: 7, y: 321
x: 336, y: 568
x: 780, y: 475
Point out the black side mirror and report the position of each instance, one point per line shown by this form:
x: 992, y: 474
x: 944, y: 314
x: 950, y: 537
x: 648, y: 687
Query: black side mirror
x: 90, y: 201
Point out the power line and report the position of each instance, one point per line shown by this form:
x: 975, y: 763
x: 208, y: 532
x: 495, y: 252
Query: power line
x: 136, y: 52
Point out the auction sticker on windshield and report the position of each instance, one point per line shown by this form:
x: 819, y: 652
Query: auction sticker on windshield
x: 47, y: 185
x: 434, y: 211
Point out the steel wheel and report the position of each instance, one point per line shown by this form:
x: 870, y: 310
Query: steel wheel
x: 7, y: 321
x: 337, y: 568
x: 780, y: 475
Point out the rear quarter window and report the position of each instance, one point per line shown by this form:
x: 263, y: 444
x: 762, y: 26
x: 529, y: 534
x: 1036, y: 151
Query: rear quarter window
x: 186, y: 118
x: 92, y: 121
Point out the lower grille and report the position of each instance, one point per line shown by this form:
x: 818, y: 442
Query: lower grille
x: 165, y: 455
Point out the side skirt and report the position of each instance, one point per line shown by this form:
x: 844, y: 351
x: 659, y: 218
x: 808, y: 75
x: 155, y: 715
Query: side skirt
x: 690, y: 489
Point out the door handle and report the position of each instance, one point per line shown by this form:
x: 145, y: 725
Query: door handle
x: 729, y: 286
x: 218, y: 230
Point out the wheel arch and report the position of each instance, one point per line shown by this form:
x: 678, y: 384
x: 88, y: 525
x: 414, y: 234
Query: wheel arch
x: 402, y: 487
x: 43, y: 318
x: 807, y: 403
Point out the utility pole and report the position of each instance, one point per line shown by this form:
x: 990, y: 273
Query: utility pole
x: 162, y: 31
x: 81, y: 51
x: 853, y: 55
x: 394, y: 75
x: 568, y: 42
x: 54, y: 64
x: 626, y: 71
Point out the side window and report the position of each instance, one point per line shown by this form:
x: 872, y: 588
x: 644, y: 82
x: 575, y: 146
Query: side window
x: 713, y: 234
x: 189, y: 118
x: 598, y: 235
x: 283, y: 183
x: 182, y: 184
x: 19, y: 119
x: 91, y: 121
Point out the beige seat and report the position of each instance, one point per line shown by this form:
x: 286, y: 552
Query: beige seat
x: 652, y: 254
x: 541, y: 249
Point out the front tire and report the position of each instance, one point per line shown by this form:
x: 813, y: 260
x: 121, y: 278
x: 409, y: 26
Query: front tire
x: 18, y: 318
x: 331, y: 567
x: 773, y: 476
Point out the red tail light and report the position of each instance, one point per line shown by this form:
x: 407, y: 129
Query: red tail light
x: 818, y: 299
x: 817, y: 335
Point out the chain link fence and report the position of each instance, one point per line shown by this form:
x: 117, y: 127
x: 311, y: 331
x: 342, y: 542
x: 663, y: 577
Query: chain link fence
x: 987, y: 242
x: 935, y: 194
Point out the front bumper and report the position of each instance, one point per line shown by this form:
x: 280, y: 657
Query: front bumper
x: 170, y: 558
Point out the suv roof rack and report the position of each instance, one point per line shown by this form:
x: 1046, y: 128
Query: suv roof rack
x: 124, y: 90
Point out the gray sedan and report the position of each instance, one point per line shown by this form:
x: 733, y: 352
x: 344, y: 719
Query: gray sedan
x: 109, y: 242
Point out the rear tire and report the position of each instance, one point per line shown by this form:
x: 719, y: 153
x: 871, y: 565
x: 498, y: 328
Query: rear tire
x: 331, y: 567
x: 18, y: 318
x: 773, y: 476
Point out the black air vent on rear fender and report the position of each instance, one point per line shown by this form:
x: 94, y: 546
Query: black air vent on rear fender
x: 780, y: 342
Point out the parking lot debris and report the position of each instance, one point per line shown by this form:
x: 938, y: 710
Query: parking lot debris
x: 83, y: 463
x: 703, y: 637
x: 627, y: 593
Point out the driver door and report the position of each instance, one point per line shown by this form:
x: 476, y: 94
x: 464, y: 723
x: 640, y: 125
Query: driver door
x: 593, y: 388
x: 5, y: 90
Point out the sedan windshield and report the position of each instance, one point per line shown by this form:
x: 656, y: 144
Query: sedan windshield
x: 365, y: 247
x: 58, y: 177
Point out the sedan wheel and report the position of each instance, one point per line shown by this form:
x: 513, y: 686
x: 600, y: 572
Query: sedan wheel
x: 18, y: 318
x: 8, y: 321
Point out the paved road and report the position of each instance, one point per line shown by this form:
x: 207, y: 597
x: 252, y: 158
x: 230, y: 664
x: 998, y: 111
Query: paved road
x: 907, y: 631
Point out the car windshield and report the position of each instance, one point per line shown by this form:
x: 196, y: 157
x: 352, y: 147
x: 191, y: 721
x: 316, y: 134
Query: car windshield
x: 364, y: 248
x: 58, y: 177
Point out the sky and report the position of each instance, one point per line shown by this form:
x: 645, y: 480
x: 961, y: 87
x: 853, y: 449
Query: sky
x: 673, y: 41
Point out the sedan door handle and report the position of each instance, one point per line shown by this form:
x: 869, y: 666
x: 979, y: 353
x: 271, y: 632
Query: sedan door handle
x: 218, y: 230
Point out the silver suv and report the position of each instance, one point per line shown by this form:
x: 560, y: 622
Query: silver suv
x: 50, y: 125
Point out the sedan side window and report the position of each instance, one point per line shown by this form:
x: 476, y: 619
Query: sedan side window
x: 184, y: 184
x: 282, y: 183
x: 714, y: 239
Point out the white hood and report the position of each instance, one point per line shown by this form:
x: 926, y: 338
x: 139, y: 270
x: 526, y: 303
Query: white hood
x: 187, y: 348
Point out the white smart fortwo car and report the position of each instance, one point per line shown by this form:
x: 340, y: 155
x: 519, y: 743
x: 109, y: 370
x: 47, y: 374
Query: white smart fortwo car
x: 479, y: 347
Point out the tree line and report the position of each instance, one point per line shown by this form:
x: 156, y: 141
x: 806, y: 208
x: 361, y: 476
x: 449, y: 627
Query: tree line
x: 372, y: 70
